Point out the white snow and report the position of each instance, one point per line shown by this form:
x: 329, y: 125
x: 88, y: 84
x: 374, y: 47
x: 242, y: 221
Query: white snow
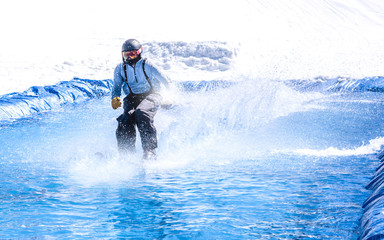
x: 43, y: 42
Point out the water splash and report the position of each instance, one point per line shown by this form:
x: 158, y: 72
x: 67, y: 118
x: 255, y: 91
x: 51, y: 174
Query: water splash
x: 372, y: 147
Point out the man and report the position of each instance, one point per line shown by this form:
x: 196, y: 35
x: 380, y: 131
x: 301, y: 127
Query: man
x: 141, y: 82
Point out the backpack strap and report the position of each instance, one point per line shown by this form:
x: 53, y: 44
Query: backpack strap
x: 126, y: 78
x: 145, y: 74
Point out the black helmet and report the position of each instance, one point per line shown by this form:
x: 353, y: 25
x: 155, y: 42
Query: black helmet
x: 131, y: 51
x: 131, y: 45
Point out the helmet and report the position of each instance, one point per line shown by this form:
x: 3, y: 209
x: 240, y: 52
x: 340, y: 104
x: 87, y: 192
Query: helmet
x: 131, y: 45
x: 131, y: 51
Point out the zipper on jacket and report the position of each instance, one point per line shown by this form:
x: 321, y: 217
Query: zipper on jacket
x: 134, y: 70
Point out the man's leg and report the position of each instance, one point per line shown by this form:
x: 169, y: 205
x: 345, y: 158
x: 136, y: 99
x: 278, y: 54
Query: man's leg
x: 144, y: 115
x: 126, y: 132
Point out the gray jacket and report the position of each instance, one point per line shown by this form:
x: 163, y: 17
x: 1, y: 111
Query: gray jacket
x: 136, y: 79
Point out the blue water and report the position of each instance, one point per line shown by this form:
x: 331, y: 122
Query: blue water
x: 214, y: 179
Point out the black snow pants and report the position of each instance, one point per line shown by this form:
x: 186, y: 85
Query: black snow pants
x: 139, y: 110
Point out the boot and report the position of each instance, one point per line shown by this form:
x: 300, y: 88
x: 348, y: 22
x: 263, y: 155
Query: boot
x: 149, y: 154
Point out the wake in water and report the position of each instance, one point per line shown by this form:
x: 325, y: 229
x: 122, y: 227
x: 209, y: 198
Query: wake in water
x: 373, y: 147
x: 210, y: 121
x: 216, y: 126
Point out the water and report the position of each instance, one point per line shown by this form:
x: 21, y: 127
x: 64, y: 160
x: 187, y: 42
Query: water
x: 279, y: 164
x: 256, y: 160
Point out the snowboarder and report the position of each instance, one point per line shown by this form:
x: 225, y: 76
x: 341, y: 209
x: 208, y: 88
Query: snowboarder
x: 141, y: 82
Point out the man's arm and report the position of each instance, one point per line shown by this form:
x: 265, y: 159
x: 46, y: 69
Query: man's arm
x: 116, y: 89
x: 117, y: 82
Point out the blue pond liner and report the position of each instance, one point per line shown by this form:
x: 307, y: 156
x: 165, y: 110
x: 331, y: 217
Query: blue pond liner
x: 372, y: 221
x: 38, y: 99
x: 339, y: 84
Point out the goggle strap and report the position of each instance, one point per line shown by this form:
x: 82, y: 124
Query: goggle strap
x: 140, y: 50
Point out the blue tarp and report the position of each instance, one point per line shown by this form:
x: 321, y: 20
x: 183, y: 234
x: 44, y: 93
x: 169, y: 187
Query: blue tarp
x: 39, y: 99
x: 340, y: 84
x: 372, y: 221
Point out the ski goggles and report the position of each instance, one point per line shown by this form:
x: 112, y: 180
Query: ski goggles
x: 132, y: 54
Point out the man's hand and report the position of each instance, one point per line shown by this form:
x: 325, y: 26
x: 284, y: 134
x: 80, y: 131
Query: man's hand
x: 116, y: 103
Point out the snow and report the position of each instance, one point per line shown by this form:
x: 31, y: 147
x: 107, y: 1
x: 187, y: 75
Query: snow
x: 44, y: 42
